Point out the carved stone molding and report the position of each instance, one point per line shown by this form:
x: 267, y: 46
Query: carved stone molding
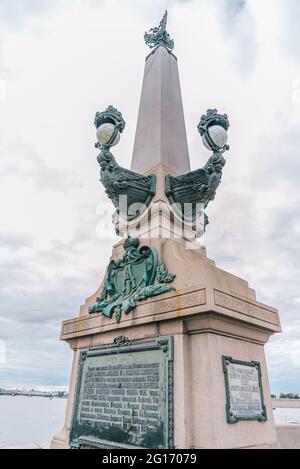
x: 245, y: 307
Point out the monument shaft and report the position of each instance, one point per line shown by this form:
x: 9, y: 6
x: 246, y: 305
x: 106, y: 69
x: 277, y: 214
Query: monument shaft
x: 169, y: 351
x: 160, y: 134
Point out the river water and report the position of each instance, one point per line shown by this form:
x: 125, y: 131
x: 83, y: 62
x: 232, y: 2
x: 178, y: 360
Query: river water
x: 27, y: 420
x: 30, y: 420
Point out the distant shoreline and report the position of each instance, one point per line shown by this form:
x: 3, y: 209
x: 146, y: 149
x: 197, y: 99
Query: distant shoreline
x: 34, y: 395
x: 49, y: 395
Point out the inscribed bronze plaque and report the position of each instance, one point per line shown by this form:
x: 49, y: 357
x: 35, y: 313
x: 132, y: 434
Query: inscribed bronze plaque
x: 124, y: 395
x: 244, y: 392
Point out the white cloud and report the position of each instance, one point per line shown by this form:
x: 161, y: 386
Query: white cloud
x: 64, y: 60
x: 2, y: 353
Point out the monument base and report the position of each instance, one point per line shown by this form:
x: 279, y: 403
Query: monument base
x: 220, y: 393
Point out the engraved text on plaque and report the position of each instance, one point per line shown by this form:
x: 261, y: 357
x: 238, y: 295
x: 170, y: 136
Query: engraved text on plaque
x: 244, y: 393
x: 124, y: 396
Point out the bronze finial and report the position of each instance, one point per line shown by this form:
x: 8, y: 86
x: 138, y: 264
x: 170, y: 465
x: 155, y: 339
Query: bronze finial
x: 159, y: 36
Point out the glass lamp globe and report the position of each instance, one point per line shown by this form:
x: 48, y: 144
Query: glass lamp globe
x: 218, y: 135
x: 105, y: 133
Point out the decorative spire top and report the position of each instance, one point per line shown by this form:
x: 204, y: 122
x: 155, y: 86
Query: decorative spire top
x: 159, y: 36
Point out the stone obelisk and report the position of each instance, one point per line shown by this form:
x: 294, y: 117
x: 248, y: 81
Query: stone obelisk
x: 160, y: 135
x: 169, y: 352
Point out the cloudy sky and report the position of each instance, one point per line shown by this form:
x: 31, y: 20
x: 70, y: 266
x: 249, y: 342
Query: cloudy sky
x: 60, y: 62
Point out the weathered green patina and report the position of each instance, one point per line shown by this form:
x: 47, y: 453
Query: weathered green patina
x: 248, y: 400
x: 189, y: 194
x: 159, y: 36
x: 130, y: 192
x: 124, y: 395
x: 208, y: 120
x: 135, y: 277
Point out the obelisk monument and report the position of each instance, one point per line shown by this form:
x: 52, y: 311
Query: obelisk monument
x: 169, y: 352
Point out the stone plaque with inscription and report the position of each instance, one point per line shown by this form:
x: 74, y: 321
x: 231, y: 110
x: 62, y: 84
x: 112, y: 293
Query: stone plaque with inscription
x: 124, y: 395
x: 244, y: 392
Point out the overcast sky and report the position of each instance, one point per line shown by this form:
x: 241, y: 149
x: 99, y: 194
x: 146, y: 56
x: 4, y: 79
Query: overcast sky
x: 60, y: 62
